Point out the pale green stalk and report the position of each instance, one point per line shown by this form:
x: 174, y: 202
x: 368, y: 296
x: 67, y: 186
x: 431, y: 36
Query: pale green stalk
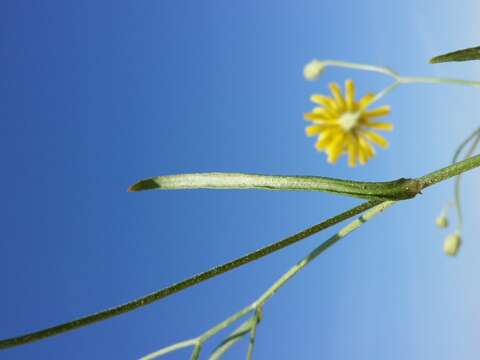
x: 425, y: 181
x: 171, y: 348
x: 398, y: 79
x: 258, y: 304
x: 385, y: 91
x: 463, y: 144
x: 457, y: 198
x: 232, y: 339
x: 396, y: 76
x: 253, y: 332
x: 320, y: 249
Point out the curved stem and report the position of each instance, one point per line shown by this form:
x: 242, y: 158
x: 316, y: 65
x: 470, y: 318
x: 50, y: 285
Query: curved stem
x: 401, y: 79
x: 171, y: 348
x: 463, y: 144
x: 457, y: 200
x: 449, y: 171
x: 365, y: 67
x: 385, y: 91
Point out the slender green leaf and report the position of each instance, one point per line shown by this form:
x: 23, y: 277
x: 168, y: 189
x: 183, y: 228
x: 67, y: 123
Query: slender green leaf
x: 459, y: 55
x: 388, y: 190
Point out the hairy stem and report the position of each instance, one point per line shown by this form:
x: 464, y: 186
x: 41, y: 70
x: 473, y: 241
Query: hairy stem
x: 449, y: 171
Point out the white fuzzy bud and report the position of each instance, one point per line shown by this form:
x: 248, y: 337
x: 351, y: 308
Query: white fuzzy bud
x: 313, y: 69
x: 452, y: 244
x: 441, y: 221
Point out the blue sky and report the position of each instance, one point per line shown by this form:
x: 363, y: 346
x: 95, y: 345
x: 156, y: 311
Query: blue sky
x: 98, y: 94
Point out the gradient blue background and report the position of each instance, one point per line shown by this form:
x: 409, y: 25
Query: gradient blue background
x: 97, y: 94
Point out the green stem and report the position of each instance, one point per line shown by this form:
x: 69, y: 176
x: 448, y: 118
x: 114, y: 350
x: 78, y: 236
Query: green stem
x: 456, y: 188
x: 253, y: 333
x: 258, y: 304
x: 169, y: 349
x: 320, y: 249
x: 196, y: 351
x: 232, y: 339
x: 463, y: 144
x: 458, y: 204
x: 449, y: 171
x: 385, y: 91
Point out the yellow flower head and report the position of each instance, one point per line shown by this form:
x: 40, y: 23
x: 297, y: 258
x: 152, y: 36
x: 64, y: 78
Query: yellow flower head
x: 344, y: 126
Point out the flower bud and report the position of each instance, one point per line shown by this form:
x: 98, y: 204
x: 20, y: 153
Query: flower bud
x: 452, y: 244
x: 441, y: 221
x: 313, y: 69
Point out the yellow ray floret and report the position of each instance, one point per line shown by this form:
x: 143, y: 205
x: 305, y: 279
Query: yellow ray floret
x: 345, y: 126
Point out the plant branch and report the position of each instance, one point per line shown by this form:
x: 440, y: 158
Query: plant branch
x: 422, y: 182
x: 463, y: 144
x: 449, y: 171
x: 253, y: 332
x: 457, y: 199
x: 258, y: 304
x: 194, y: 280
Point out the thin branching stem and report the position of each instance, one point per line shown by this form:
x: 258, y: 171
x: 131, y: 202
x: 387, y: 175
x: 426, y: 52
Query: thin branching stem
x: 457, y: 197
x: 171, y: 348
x: 385, y: 91
x: 258, y: 304
x: 463, y: 144
x: 232, y: 339
x: 423, y: 182
x: 253, y: 332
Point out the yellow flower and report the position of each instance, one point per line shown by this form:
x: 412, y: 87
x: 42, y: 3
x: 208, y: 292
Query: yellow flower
x: 344, y: 126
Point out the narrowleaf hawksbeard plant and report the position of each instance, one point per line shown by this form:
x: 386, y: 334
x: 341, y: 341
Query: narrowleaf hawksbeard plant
x: 343, y: 126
